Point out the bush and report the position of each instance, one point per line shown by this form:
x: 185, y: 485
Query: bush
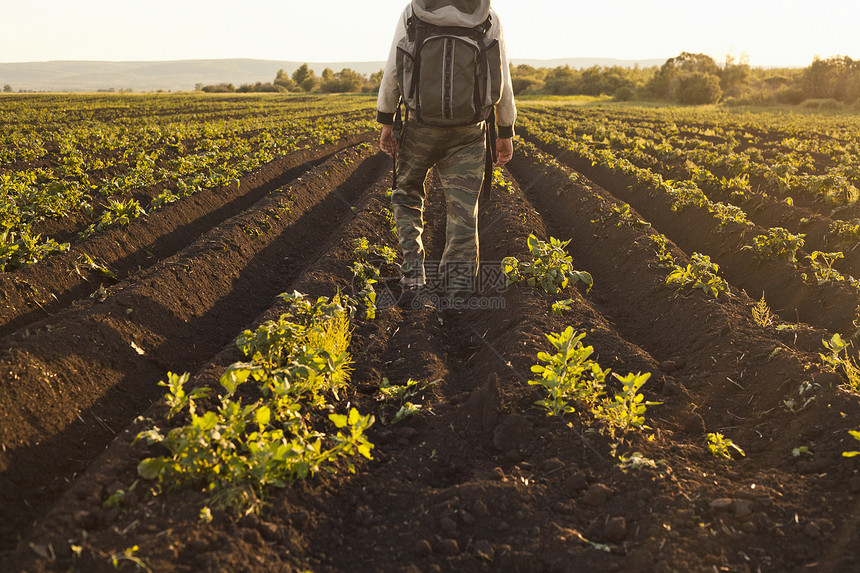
x: 346, y: 80
x: 696, y: 88
x: 624, y: 93
x: 792, y: 95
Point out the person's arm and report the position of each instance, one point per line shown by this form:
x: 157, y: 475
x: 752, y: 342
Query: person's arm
x: 506, y: 110
x: 389, y: 91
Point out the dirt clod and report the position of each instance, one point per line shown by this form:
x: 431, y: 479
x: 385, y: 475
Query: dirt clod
x: 448, y: 547
x: 597, y: 494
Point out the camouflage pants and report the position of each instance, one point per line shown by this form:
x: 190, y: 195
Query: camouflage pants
x: 458, y: 155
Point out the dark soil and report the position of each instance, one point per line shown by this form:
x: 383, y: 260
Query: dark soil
x: 481, y: 479
x: 833, y: 306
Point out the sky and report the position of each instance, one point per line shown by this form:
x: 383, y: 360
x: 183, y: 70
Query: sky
x: 769, y: 32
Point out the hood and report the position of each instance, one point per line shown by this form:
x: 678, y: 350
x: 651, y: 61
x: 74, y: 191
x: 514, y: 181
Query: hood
x: 468, y: 13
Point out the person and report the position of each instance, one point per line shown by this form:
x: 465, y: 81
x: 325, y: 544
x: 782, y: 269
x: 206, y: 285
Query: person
x: 459, y: 153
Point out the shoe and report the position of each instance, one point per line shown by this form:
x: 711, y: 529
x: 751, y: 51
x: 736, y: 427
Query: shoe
x: 418, y: 297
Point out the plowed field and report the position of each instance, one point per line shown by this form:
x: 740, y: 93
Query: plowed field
x: 480, y: 478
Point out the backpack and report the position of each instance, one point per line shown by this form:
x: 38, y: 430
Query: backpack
x: 449, y: 74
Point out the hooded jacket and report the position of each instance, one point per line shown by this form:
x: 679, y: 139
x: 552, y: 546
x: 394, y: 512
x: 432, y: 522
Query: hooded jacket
x: 467, y: 13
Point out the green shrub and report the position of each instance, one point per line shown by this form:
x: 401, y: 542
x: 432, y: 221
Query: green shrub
x: 697, y: 88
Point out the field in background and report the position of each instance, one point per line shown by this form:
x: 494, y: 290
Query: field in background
x: 144, y: 233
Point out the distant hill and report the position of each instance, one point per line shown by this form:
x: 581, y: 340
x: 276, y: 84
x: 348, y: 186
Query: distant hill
x: 183, y: 75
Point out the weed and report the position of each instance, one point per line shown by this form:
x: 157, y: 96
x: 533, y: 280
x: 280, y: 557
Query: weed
x: 635, y: 461
x: 403, y: 394
x: 761, y: 313
x: 87, y: 262
x: 722, y: 447
x: 805, y: 394
x: 559, y: 306
x: 118, y: 560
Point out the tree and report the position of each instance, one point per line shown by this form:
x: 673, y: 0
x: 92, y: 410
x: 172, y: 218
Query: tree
x: 373, y: 82
x: 734, y: 77
x: 562, y: 81
x: 346, y: 80
x: 665, y: 84
x: 283, y: 82
x: 327, y: 75
x: 305, y: 78
x: 837, y: 77
x: 696, y: 88
x: 526, y: 78
x: 7, y: 88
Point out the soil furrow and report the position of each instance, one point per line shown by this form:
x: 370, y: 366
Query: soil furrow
x: 76, y: 379
x: 481, y: 479
x: 689, y: 334
x: 831, y: 306
x: 32, y: 293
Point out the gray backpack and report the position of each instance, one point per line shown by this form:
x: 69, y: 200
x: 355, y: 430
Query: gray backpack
x: 448, y: 71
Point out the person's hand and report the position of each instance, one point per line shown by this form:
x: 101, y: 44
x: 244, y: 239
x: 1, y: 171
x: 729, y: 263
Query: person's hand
x: 504, y: 150
x: 386, y: 140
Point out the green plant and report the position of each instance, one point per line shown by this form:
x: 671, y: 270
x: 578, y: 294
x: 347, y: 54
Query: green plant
x: 239, y: 449
x: 856, y: 436
x: 823, y: 271
x: 700, y: 273
x: 661, y: 247
x: 846, y: 234
x: 403, y: 394
x: 551, y: 268
x: 500, y: 181
x: 761, y: 313
x: 568, y: 375
x: 116, y: 212
x: 118, y: 560
x: 627, y: 407
x: 366, y: 271
x: 836, y: 360
x: 559, y: 306
x: 778, y: 243
x: 722, y: 447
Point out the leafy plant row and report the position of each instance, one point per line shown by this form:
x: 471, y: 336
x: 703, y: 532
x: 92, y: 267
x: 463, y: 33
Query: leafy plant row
x: 263, y: 430
x: 769, y: 244
x: 97, y: 166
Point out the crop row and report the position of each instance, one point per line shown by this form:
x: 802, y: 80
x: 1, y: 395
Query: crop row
x: 726, y: 176
x: 99, y: 171
x: 821, y: 174
x: 720, y: 173
x: 685, y: 208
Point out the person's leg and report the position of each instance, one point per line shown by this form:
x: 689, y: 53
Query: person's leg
x: 407, y: 201
x: 461, y: 170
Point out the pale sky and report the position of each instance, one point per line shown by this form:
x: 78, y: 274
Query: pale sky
x: 770, y: 32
